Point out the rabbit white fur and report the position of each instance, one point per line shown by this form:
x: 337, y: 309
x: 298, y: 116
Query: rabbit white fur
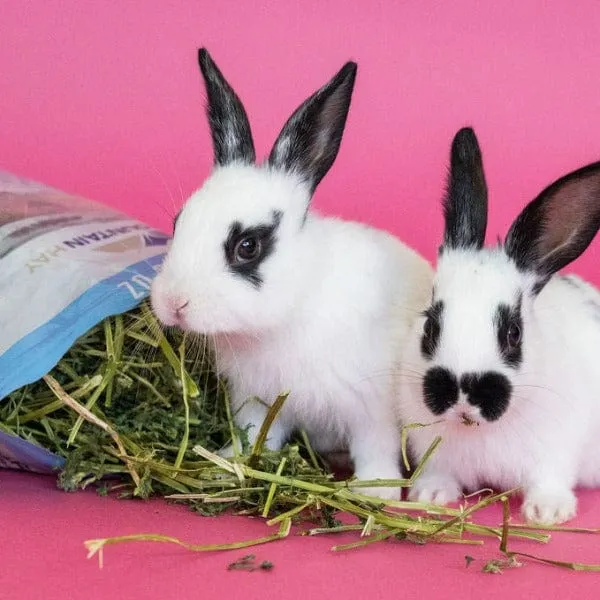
x: 322, y: 309
x: 504, y: 363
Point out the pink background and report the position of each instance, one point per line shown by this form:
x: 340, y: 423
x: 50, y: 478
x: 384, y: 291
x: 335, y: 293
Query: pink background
x: 108, y: 101
x: 105, y: 99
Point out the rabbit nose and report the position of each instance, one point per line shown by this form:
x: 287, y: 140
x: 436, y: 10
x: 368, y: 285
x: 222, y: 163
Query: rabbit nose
x: 468, y: 419
x: 175, y: 304
x: 182, y: 305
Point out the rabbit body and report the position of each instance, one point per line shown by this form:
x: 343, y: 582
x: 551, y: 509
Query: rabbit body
x: 337, y: 351
x: 502, y: 365
x: 289, y: 300
x: 547, y: 441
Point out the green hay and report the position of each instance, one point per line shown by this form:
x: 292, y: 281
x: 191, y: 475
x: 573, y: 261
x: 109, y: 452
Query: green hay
x: 139, y: 412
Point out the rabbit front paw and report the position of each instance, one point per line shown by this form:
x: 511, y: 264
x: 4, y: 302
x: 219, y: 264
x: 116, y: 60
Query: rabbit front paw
x: 549, y: 506
x: 435, y: 489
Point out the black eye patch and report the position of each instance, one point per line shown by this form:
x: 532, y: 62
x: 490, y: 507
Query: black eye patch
x: 509, y: 330
x: 432, y: 329
x: 246, y: 248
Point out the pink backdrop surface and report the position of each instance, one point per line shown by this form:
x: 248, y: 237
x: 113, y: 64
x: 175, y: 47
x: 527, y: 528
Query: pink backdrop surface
x: 105, y: 100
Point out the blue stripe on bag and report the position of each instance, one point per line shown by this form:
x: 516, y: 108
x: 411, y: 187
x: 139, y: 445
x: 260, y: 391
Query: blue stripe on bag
x: 37, y: 353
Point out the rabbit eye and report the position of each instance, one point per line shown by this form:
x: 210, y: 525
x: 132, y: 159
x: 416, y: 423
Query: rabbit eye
x: 509, y: 331
x: 513, y: 335
x: 247, y: 249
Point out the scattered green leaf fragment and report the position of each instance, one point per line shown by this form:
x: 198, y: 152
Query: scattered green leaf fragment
x: 248, y: 563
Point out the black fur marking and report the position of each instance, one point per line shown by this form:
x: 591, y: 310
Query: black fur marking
x: 440, y: 390
x: 229, y: 126
x: 578, y: 284
x: 310, y: 140
x: 539, y: 285
x: 264, y: 235
x: 506, y: 320
x: 572, y: 281
x: 465, y: 202
x: 432, y: 329
x: 490, y: 392
x: 558, y: 225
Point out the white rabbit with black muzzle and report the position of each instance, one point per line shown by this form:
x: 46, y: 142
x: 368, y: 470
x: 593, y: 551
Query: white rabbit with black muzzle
x: 504, y: 361
x: 290, y: 300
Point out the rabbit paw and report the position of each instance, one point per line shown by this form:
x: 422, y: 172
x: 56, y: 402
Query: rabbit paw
x: 549, y: 507
x: 435, y: 489
x: 385, y: 493
x: 372, y: 474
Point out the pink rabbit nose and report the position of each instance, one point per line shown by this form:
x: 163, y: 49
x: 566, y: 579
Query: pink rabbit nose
x: 181, y: 306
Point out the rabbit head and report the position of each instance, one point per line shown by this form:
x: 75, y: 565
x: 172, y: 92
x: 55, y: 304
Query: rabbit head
x: 241, y: 256
x: 479, y: 333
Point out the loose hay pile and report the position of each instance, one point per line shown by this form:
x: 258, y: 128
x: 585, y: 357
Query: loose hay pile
x: 136, y: 414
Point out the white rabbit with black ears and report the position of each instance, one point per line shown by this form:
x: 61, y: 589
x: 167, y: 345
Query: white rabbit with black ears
x: 293, y: 301
x: 504, y: 362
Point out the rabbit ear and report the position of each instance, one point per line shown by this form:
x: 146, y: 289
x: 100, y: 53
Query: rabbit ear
x: 309, y: 141
x: 465, y: 203
x: 556, y: 227
x: 229, y: 126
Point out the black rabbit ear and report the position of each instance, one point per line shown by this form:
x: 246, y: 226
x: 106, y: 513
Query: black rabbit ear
x: 229, y: 126
x: 465, y: 202
x: 310, y: 140
x: 556, y: 227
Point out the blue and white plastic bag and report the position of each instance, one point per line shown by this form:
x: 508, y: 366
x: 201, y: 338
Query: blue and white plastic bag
x: 66, y: 263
